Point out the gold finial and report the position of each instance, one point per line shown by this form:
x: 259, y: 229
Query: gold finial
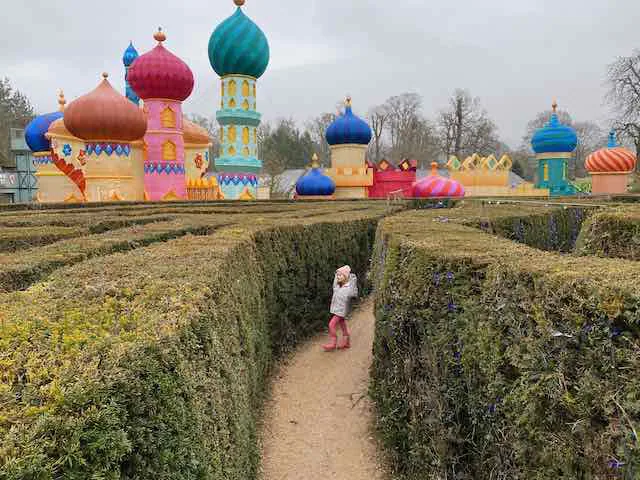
x: 434, y: 169
x: 159, y: 35
x: 314, y: 161
x: 105, y: 75
x: 554, y: 105
x: 61, y: 100
x: 239, y: 3
x: 347, y: 102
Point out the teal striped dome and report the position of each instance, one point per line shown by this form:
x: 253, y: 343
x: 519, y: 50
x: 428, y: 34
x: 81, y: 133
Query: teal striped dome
x: 239, y: 47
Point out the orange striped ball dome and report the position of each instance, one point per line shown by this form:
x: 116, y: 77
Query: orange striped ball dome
x: 613, y: 159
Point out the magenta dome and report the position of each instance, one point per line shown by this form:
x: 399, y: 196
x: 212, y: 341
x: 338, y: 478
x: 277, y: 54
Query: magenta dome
x: 160, y: 74
x: 437, y: 186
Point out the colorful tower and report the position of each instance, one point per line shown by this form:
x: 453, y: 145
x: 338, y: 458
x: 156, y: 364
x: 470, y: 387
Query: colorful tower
x: 163, y: 81
x: 239, y: 54
x: 108, y: 124
x: 348, y: 137
x: 610, y: 168
x: 130, y: 54
x: 554, y: 145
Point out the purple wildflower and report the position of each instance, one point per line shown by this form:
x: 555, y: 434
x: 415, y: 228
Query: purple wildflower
x: 452, y: 307
x: 457, y: 356
x: 615, y: 332
x: 436, y: 279
x: 615, y: 463
x: 450, y: 276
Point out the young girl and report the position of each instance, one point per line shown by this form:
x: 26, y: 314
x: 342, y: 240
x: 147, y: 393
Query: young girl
x: 345, y: 287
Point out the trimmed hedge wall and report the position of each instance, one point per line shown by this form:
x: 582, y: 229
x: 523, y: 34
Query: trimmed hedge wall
x: 495, y: 360
x: 613, y: 233
x: 151, y: 364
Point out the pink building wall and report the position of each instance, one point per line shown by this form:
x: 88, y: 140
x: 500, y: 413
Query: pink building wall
x: 163, y: 176
x: 387, y: 182
x: 604, y: 183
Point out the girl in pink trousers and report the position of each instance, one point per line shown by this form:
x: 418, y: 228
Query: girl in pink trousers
x: 345, y: 287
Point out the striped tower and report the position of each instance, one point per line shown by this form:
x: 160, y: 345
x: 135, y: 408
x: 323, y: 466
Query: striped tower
x: 239, y: 54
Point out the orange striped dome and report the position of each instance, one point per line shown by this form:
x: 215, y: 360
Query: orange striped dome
x: 613, y: 159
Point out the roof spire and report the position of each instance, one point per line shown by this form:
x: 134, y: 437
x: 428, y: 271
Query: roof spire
x: 347, y: 102
x: 61, y: 100
x: 554, y: 106
x: 239, y: 3
x: 613, y: 143
x: 314, y: 161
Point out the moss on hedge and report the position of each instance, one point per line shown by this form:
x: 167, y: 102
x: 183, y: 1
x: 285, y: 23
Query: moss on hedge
x: 496, y: 360
x: 152, y: 363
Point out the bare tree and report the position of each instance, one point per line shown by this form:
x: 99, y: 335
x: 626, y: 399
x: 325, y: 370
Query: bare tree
x: 465, y: 127
x: 317, y: 128
x: 378, y: 119
x: 404, y: 116
x: 624, y: 96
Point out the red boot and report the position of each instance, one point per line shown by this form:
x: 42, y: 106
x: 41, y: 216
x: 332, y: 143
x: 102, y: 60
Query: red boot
x: 332, y: 345
x: 344, y: 343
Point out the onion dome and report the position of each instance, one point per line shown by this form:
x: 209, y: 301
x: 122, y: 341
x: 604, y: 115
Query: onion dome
x: 105, y: 115
x: 160, y: 74
x: 238, y: 46
x: 613, y: 159
x: 130, y: 54
x: 315, y: 183
x: 57, y: 128
x: 437, y: 186
x: 36, y: 131
x: 348, y: 129
x: 554, y: 137
x: 194, y: 133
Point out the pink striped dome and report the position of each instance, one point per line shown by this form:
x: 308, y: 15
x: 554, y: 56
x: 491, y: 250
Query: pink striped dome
x: 613, y: 159
x: 437, y: 186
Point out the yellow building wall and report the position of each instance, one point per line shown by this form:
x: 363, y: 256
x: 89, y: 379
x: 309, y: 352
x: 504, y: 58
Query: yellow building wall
x: 191, y: 152
x: 348, y: 156
x: 349, y: 171
x: 115, y: 178
x: 53, y: 185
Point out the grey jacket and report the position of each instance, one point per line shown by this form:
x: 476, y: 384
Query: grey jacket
x: 342, y: 295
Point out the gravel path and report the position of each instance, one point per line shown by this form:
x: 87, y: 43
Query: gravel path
x: 318, y: 421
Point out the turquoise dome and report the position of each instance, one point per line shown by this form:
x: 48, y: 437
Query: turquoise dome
x: 238, y: 46
x: 315, y: 184
x: 554, y: 137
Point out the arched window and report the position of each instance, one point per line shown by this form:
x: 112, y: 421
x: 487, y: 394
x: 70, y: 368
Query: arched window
x: 168, y: 118
x: 546, y: 171
x: 245, y: 105
x: 245, y: 88
x: 222, y: 89
x: 245, y: 151
x: 232, y: 103
x: 232, y: 150
x: 255, y: 135
x: 169, y: 151
x: 232, y: 88
x: 231, y: 134
x: 245, y: 135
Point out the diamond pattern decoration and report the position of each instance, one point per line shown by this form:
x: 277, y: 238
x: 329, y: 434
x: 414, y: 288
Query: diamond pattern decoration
x: 119, y: 150
x: 67, y: 150
x: 161, y: 168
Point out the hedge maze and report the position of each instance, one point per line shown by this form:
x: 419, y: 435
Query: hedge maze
x: 137, y: 341
x: 506, y: 344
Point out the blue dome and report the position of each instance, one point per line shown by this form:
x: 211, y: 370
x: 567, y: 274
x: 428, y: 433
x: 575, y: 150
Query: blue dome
x: 35, y: 132
x: 239, y: 47
x: 554, y: 137
x: 130, y: 54
x: 348, y: 129
x: 315, y: 183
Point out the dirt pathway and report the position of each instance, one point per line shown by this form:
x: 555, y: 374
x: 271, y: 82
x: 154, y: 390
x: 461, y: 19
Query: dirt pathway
x: 318, y: 420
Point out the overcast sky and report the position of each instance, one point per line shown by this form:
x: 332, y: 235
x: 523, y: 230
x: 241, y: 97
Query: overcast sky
x: 516, y: 55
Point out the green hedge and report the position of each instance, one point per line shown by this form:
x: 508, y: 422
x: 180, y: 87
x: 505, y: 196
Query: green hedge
x: 151, y: 364
x: 613, y: 233
x: 496, y: 360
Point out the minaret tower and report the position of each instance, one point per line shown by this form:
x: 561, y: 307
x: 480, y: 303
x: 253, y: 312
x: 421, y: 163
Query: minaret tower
x: 130, y: 54
x: 239, y: 54
x: 163, y: 81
